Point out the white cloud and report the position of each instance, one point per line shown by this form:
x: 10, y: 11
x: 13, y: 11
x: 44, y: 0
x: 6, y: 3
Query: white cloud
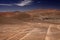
x: 23, y: 3
x: 6, y: 4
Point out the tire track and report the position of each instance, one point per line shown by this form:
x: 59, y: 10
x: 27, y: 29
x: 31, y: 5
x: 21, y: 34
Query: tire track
x: 33, y: 30
x: 23, y: 31
x: 48, y: 32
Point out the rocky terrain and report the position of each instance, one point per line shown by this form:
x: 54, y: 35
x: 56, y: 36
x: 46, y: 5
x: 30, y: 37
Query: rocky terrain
x: 41, y: 24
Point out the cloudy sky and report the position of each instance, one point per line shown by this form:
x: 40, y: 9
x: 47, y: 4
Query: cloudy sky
x: 21, y: 5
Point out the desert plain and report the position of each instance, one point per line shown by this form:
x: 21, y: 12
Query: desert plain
x: 41, y: 24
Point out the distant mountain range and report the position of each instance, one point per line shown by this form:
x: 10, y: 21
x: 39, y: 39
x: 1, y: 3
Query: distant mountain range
x: 48, y: 15
x: 39, y: 11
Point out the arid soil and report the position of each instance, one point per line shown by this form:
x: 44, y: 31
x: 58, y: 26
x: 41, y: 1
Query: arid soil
x: 30, y: 25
